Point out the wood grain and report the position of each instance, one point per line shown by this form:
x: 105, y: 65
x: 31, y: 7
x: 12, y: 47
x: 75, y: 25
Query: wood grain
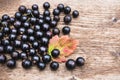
x: 98, y: 32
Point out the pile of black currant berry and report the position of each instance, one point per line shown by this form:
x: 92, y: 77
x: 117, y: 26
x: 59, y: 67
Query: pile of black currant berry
x: 26, y: 36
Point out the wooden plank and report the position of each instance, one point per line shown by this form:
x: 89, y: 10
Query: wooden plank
x: 98, y: 36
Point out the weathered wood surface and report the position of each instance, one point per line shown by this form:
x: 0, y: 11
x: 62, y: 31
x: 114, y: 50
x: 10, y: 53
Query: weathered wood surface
x: 99, y: 41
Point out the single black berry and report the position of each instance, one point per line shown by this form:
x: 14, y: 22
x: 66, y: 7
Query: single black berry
x: 3, y: 58
x: 54, y: 65
x: 70, y: 64
x: 15, y: 55
x: 41, y: 65
x: 34, y: 7
x: 55, y: 53
x: 67, y: 19
x: 66, y: 30
x: 75, y: 13
x: 26, y: 64
x: 80, y: 61
x: 46, y: 58
x: 60, y: 7
x: 35, y: 59
x: 22, y: 9
x: 46, y: 5
x: 55, y: 31
x: 11, y: 63
x: 67, y: 10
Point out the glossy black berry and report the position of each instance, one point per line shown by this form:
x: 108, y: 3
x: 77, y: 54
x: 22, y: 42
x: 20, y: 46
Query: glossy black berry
x: 6, y: 30
x: 41, y: 16
x: 44, y: 41
x: 56, y: 12
x: 26, y: 25
x: 45, y: 27
x: 29, y: 12
x: 1, y: 35
x: 39, y: 34
x: 34, y: 7
x: 35, y: 59
x: 46, y: 5
x: 80, y: 61
x: 5, y: 42
x: 35, y: 44
x: 55, y: 31
x: 55, y: 53
x: 15, y: 55
x: 30, y: 31
x: 17, y: 43
x: 21, y: 30
x: 25, y: 47
x: 53, y: 23
x: 1, y: 49
x: 18, y: 15
x: 70, y: 64
x: 42, y: 50
x: 41, y: 65
x: 33, y: 20
x: 67, y: 19
x: 32, y: 52
x: 54, y: 65
x: 12, y: 20
x: 5, y: 17
x: 24, y: 38
x: 17, y: 24
x: 56, y: 18
x: 3, y: 59
x: 40, y: 22
x: 47, y: 19
x: 26, y: 64
x: 46, y: 58
x: 36, y: 13
x: 31, y: 38
x: 67, y: 10
x: 22, y: 9
x: 48, y: 34
x: 23, y: 55
x: 46, y: 13
x: 12, y: 37
x: 11, y: 63
x: 14, y: 31
x: 24, y: 18
x: 37, y: 28
x: 66, y: 30
x: 9, y: 49
x: 75, y: 13
x: 60, y: 7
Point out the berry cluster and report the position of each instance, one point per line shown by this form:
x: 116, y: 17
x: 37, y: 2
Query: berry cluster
x: 26, y: 36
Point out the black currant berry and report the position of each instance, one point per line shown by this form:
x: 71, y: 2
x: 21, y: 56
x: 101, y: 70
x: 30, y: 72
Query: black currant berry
x: 46, y: 58
x: 54, y: 65
x: 15, y: 55
x: 46, y: 5
x: 67, y: 19
x: 70, y: 64
x: 11, y: 63
x: 35, y: 59
x: 41, y: 65
x: 3, y: 58
x: 26, y: 64
x: 80, y: 61
x: 67, y: 10
x: 75, y: 14
x: 55, y: 53
x: 66, y: 30
x: 22, y: 9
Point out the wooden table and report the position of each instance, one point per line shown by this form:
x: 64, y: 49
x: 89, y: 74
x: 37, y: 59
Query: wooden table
x: 98, y: 31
